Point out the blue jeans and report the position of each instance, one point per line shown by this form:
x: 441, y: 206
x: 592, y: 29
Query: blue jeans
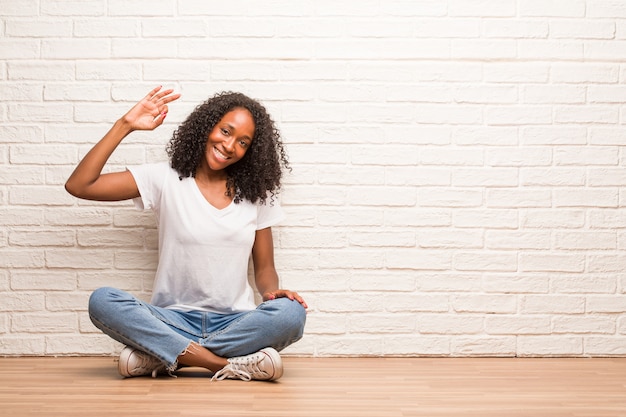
x: 166, y: 334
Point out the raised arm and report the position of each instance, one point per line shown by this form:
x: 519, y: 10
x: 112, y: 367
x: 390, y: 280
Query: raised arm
x: 87, y: 180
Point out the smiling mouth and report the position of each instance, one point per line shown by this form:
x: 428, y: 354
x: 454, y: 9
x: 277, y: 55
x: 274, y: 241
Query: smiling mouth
x: 219, y: 154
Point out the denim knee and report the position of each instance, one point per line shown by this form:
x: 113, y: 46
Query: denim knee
x: 292, y: 317
x: 100, y: 300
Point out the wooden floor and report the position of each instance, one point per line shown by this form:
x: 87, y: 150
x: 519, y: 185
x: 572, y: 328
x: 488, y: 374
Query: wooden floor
x: 327, y: 387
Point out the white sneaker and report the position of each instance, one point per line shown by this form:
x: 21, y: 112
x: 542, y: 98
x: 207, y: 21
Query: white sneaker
x: 134, y: 362
x: 264, y: 365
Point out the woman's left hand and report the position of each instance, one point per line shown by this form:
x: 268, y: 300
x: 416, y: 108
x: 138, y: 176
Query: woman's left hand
x: 292, y: 295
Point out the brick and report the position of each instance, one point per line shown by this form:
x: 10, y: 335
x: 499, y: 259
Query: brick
x: 586, y: 284
x: 108, y: 71
x: 518, y: 284
x: 583, y: 325
x: 81, y: 92
x: 484, y: 49
x: 442, y: 239
x: 50, y: 112
x: 417, y: 302
x: 482, y: 8
x: 483, y: 346
x: 485, y: 177
x: 558, y: 218
x: 606, y: 136
x: 416, y: 345
x: 578, y: 28
x: 554, y: 177
x: 549, y: 346
x: 319, y: 238
x: 588, y: 114
x: 21, y: 258
x: 60, y: 301
x: 42, y: 154
x: 606, y: 263
x: 486, y: 218
x: 478, y: 135
x: 561, y: 8
x: 21, y: 175
x: 518, y: 115
x: 382, y: 324
x: 16, y: 48
x: 78, y: 259
x: 554, y: 94
x: 533, y: 49
x: 44, y: 323
x: 604, y: 346
x: 71, y: 344
x: 116, y: 238
x: 520, y: 198
x: 553, y: 136
x: 132, y: 259
x: 450, y: 324
x: 41, y: 238
x: 518, y: 240
x: 444, y: 282
x: 73, y: 8
x: 580, y: 73
x: 501, y: 324
x: 382, y: 196
x: 365, y: 258
x: 519, y: 29
x: 381, y: 281
x: 140, y: 8
x: 552, y: 304
x: 20, y: 301
x: 605, y: 304
x: 29, y: 195
x: 604, y: 197
x: 98, y: 28
x: 607, y: 218
x: 418, y: 259
x: 21, y: 92
x: 489, y: 303
x: 406, y: 217
x: 22, y: 345
x: 21, y: 134
x: 171, y: 70
x: 552, y: 262
x: 449, y: 198
x: 328, y: 324
x: 43, y: 280
x: 451, y: 157
x: 575, y: 240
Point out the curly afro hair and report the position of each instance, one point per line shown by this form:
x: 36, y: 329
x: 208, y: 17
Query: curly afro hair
x: 258, y: 173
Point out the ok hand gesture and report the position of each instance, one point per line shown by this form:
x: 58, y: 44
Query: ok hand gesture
x: 150, y: 112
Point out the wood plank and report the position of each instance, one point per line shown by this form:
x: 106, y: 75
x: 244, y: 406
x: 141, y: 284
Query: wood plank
x: 324, y: 387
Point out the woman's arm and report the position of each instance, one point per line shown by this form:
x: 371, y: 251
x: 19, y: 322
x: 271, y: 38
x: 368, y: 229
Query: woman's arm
x: 265, y: 275
x: 87, y: 180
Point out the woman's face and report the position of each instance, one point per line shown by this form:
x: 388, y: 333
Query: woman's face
x: 230, y: 139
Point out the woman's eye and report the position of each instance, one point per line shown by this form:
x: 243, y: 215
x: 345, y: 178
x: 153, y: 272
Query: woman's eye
x: 243, y: 144
x: 225, y: 132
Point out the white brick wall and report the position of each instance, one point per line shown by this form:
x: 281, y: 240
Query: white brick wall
x: 459, y: 181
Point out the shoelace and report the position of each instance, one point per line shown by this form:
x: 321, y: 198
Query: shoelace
x: 231, y: 372
x: 243, y: 371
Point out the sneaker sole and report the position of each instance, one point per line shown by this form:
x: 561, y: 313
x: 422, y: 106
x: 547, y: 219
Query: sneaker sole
x: 276, y: 361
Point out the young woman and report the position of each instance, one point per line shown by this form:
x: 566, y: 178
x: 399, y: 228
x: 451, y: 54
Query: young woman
x: 215, y: 205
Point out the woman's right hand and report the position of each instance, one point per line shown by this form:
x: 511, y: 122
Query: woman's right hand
x: 150, y: 112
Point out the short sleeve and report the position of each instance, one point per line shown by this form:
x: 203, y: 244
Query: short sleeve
x: 150, y: 179
x: 269, y: 214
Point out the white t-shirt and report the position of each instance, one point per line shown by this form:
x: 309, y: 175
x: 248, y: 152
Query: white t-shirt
x: 203, y: 251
